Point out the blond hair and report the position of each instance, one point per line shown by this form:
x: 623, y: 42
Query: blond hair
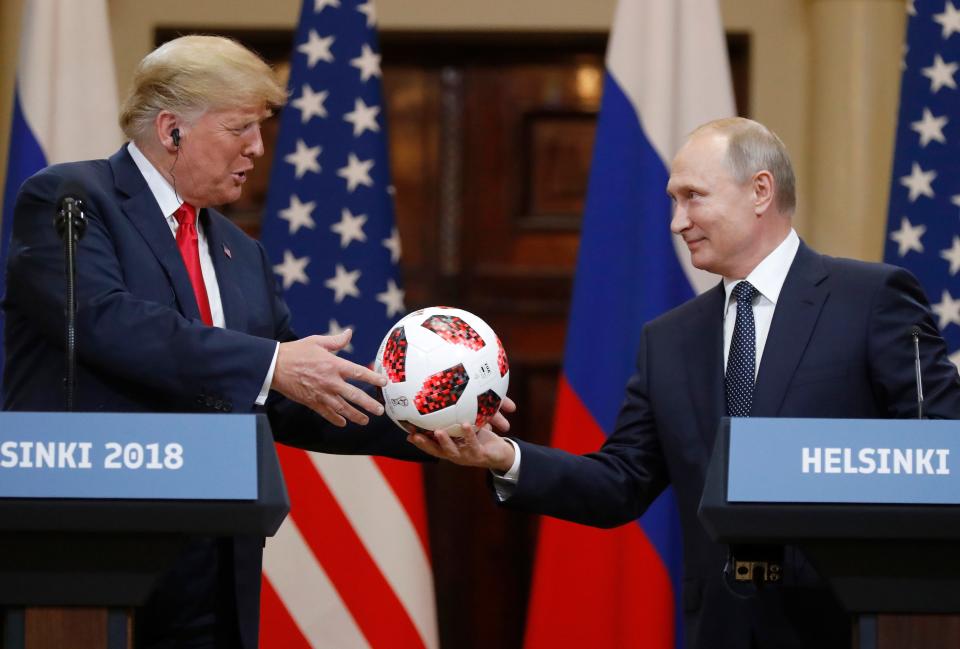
x: 752, y: 147
x: 192, y: 74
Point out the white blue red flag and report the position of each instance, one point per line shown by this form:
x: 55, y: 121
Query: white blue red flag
x: 667, y: 72
x: 923, y: 223
x: 65, y: 98
x: 350, y: 567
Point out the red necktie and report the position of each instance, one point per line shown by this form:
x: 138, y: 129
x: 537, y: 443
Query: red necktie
x: 187, y: 242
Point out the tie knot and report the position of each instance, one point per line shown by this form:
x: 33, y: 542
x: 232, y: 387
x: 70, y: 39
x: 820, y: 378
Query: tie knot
x: 744, y: 292
x: 186, y: 212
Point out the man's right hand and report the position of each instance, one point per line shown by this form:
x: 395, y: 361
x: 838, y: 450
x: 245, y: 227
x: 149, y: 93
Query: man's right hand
x: 308, y: 371
x: 479, y: 447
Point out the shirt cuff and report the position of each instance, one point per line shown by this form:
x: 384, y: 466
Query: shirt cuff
x: 265, y: 390
x: 504, y: 485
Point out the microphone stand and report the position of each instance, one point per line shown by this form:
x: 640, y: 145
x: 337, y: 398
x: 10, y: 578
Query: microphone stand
x: 915, y: 333
x: 71, y: 224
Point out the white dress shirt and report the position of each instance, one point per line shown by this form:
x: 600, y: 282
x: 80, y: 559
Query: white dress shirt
x: 767, y: 278
x: 169, y: 203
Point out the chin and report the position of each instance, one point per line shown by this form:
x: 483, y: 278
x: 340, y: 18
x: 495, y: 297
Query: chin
x: 228, y: 197
x: 700, y: 261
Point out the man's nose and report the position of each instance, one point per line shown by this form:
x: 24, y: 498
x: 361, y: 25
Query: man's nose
x: 679, y: 222
x: 254, y: 147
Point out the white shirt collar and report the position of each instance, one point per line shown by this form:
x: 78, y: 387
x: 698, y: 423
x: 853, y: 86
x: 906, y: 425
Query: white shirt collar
x: 162, y: 190
x: 769, y: 275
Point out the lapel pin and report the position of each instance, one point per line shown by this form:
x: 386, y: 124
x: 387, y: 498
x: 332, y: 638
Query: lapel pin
x: 227, y: 252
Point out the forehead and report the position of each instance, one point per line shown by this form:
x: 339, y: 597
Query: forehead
x: 236, y: 116
x: 700, y: 159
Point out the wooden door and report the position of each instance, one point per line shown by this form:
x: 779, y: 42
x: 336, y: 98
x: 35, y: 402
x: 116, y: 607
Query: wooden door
x: 490, y: 148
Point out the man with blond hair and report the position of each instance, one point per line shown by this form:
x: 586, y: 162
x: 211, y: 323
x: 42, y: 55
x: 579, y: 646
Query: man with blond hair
x: 787, y: 332
x: 178, y: 310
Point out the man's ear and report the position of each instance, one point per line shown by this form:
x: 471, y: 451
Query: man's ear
x: 764, y: 189
x: 164, y: 126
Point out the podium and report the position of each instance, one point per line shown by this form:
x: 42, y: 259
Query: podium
x: 95, y: 507
x: 873, y: 504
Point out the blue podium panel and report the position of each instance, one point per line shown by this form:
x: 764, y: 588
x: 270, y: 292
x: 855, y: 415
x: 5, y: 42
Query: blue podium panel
x: 880, y: 461
x: 128, y: 456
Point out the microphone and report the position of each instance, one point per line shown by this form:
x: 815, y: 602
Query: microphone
x: 70, y: 210
x: 915, y: 333
x: 71, y: 224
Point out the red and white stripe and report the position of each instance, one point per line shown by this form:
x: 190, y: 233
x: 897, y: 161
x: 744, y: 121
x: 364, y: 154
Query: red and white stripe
x: 349, y: 568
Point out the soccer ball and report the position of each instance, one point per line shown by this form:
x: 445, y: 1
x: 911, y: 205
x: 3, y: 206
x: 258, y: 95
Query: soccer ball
x: 443, y: 366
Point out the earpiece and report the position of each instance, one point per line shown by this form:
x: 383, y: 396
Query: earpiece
x: 175, y: 134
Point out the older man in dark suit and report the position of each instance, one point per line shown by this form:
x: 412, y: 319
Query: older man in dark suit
x: 179, y: 311
x: 787, y: 333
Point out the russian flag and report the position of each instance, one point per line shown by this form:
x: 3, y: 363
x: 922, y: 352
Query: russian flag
x: 667, y: 72
x: 65, y: 97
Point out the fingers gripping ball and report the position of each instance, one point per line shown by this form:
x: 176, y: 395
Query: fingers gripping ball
x: 443, y: 367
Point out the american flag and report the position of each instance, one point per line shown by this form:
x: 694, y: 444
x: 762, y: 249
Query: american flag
x: 349, y: 568
x: 923, y: 224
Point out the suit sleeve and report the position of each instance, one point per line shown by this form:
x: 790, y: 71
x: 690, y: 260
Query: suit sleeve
x: 609, y: 487
x: 147, y: 342
x: 900, y: 305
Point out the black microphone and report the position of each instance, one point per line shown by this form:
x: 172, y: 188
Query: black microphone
x: 71, y: 224
x: 70, y: 210
x: 915, y: 333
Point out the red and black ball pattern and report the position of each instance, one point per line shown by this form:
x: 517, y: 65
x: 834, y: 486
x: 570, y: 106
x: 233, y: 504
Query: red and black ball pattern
x: 395, y: 356
x: 454, y: 330
x: 502, y: 363
x: 441, y: 390
x: 487, y: 405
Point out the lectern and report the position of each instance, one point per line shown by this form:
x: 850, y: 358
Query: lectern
x: 95, y: 507
x: 873, y: 504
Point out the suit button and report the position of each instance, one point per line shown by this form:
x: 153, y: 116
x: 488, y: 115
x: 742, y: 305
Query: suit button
x: 218, y: 405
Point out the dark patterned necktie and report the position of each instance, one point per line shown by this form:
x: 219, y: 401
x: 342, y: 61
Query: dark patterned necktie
x: 741, y: 361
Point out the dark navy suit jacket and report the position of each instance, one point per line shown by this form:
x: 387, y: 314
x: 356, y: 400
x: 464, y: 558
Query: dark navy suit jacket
x: 142, y: 347
x: 839, y: 346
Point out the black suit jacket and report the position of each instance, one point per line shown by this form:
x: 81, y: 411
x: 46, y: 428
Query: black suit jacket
x: 838, y: 346
x: 142, y: 348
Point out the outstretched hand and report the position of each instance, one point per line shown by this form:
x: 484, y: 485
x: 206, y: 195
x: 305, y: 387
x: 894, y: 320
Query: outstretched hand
x: 308, y: 371
x: 471, y: 446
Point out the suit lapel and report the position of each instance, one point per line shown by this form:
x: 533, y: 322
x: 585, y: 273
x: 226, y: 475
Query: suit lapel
x: 798, y: 308
x: 231, y: 290
x: 141, y: 208
x: 703, y: 361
